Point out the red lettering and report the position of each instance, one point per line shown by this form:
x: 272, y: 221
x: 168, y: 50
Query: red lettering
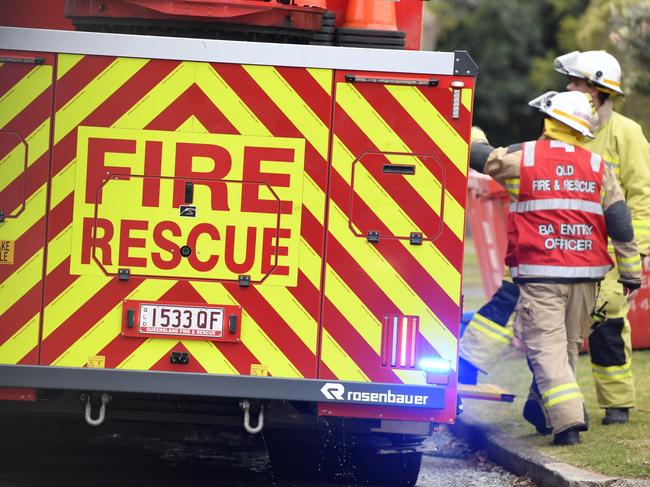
x: 165, y: 244
x: 269, y: 250
x: 151, y: 180
x: 96, y: 167
x: 101, y: 242
x: 249, y: 259
x: 210, y: 262
x: 253, y: 157
x: 127, y: 242
x: 185, y: 154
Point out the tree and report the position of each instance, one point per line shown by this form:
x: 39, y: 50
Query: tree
x: 627, y: 32
x: 514, y: 44
x: 502, y: 36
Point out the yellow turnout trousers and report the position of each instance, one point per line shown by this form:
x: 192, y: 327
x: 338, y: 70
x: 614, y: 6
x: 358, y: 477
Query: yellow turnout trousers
x: 552, y: 321
x: 610, y: 347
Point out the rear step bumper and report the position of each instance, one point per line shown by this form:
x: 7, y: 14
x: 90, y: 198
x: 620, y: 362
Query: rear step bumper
x: 216, y: 385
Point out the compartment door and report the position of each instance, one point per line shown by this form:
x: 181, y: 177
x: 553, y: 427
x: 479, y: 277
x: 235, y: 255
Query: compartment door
x: 25, y: 111
x: 396, y: 227
x: 187, y: 186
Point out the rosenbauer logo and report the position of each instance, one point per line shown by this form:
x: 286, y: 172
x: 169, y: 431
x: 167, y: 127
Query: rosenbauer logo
x: 335, y: 391
x: 187, y: 205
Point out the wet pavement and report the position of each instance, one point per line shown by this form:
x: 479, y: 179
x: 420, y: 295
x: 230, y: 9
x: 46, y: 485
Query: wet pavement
x: 57, y: 453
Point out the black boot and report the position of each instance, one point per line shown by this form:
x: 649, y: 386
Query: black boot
x: 467, y: 373
x: 534, y: 414
x: 616, y: 416
x: 568, y: 437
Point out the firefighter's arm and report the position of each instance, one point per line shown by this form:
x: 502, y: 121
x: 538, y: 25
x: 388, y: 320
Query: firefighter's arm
x: 479, y: 149
x: 618, y: 221
x: 634, y: 159
x: 501, y: 163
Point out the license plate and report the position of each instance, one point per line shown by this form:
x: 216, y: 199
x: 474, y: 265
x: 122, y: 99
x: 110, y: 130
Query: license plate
x: 194, y: 321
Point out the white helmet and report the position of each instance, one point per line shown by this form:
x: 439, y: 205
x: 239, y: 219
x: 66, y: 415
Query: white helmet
x: 572, y: 108
x: 599, y: 67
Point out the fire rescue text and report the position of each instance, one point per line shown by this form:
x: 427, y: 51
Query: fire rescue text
x: 573, y: 185
x: 246, y: 193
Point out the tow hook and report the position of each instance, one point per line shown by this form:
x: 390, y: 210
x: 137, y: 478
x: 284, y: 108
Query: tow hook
x: 245, y: 405
x: 102, y: 409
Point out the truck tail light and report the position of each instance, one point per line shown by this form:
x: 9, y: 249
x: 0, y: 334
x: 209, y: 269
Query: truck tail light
x: 399, y: 341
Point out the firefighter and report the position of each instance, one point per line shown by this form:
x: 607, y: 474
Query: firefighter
x: 622, y: 143
x: 568, y: 202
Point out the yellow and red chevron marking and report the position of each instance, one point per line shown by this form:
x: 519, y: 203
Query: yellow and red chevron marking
x: 25, y: 110
x: 82, y: 314
x: 365, y: 282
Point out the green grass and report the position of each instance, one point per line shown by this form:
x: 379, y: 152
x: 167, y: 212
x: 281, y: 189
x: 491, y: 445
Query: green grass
x: 617, y: 450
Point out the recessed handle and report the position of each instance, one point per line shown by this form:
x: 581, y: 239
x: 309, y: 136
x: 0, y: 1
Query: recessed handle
x: 404, y: 169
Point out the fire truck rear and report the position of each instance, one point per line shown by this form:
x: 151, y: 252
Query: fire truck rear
x: 234, y: 232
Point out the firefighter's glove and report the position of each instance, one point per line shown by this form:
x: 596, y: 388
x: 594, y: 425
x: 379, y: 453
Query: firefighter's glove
x: 630, y: 287
x: 478, y: 135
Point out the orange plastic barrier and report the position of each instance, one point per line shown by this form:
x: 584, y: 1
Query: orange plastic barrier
x: 487, y: 209
x: 639, y: 314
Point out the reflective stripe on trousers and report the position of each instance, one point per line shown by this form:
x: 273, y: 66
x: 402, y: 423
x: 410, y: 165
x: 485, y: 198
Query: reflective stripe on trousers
x: 561, y: 393
x: 612, y: 372
x: 491, y: 329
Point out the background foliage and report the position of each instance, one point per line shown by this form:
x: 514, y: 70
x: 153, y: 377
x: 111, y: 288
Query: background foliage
x: 514, y: 44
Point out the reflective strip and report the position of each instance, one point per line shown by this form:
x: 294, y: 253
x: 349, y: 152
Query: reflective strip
x: 512, y: 186
x: 612, y: 372
x: 491, y: 329
x: 557, y: 204
x: 529, y: 154
x: 594, y: 272
x: 629, y: 264
x: 595, y: 162
x: 558, y: 144
x: 611, y: 82
x: 629, y: 260
x: 577, y: 120
x: 562, y: 393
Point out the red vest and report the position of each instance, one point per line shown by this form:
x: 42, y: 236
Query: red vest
x: 557, y: 228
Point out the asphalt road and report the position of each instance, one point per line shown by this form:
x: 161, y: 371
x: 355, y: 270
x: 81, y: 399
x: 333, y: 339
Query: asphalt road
x: 64, y: 454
